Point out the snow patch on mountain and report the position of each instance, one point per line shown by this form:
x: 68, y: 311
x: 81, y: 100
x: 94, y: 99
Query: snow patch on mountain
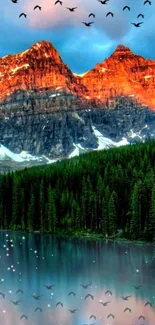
x: 104, y: 143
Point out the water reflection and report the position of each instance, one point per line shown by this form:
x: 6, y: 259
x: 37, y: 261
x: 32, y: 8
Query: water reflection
x: 30, y: 261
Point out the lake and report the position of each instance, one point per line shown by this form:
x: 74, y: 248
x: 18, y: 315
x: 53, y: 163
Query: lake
x: 30, y: 262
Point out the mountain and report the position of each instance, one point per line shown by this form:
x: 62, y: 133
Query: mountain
x: 122, y: 74
x: 39, y: 67
x: 48, y: 113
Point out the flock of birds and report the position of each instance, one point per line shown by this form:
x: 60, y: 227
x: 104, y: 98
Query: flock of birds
x: 88, y: 24
x: 72, y: 311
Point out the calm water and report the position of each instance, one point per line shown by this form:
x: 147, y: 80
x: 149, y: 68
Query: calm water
x: 29, y: 262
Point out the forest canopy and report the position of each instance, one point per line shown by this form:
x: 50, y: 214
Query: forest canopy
x: 101, y: 192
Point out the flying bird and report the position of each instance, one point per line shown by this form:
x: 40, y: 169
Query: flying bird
x: 37, y: 7
x: 127, y: 309
x: 23, y: 316
x: 49, y: 287
x: 3, y: 295
x: 88, y: 24
x: 104, y: 2
x: 108, y: 291
x: 111, y: 315
x: 141, y: 317
x: 19, y: 291
x: 85, y: 286
x: 58, y: 1
x: 93, y: 15
x: 22, y: 14
x: 38, y: 308
x: 148, y: 304
x: 89, y: 295
x: 14, y: 1
x: 137, y: 25
x: 127, y: 7
x: 16, y: 302
x: 59, y: 303
x: 92, y: 316
x: 110, y: 13
x: 147, y: 1
x: 104, y: 303
x: 72, y: 311
x: 71, y: 293
x: 140, y: 15
x: 126, y: 298
x: 71, y: 9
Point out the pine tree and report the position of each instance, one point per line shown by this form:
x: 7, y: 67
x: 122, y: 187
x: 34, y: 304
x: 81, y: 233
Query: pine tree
x: 135, y: 214
x: 112, y: 216
x: 51, y: 212
x: 152, y: 216
x: 31, y: 212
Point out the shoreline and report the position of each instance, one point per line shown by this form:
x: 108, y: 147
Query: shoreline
x: 87, y: 235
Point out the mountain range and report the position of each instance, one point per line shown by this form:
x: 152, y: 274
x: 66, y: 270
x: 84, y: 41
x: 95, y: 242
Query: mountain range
x: 48, y: 113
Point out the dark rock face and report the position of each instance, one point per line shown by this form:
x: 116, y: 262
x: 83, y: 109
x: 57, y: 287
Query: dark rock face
x: 52, y: 128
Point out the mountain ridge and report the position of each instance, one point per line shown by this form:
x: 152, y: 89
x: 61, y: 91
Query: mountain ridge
x: 123, y: 73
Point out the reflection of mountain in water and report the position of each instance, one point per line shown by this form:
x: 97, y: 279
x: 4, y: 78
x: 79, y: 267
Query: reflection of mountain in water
x: 35, y: 260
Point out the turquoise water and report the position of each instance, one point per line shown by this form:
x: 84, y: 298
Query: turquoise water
x: 31, y: 261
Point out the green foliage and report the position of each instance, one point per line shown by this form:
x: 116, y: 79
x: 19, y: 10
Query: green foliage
x: 101, y: 192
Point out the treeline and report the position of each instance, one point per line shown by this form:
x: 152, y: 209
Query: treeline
x: 100, y: 192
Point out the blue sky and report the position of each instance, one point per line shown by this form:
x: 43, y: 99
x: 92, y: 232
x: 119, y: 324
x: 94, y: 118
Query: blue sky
x: 79, y: 47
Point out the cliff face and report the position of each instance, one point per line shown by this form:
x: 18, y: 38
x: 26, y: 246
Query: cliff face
x: 123, y: 73
x: 49, y: 112
x: 39, y: 67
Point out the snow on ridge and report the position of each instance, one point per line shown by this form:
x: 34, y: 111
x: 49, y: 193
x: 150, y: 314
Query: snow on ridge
x: 147, y: 77
x: 19, y: 67
x: 80, y: 74
x: 104, y: 142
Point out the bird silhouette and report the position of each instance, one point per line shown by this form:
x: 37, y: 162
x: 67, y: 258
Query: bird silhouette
x: 58, y: 1
x: 59, y: 303
x: 89, y: 295
x: 72, y: 311
x: 71, y: 9
x: 14, y: 1
x: 85, y: 286
x: 126, y: 298
x: 141, y: 317
x: 92, y: 316
x: 23, y: 316
x: 127, y: 309
x: 104, y: 303
x: 3, y: 295
x: 71, y: 293
x: 104, y: 2
x: 36, y: 297
x: 22, y: 14
x: 140, y: 15
x: 110, y: 13
x: 111, y: 315
x: 108, y: 291
x: 37, y: 7
x: 148, y: 304
x: 127, y: 7
x: 16, y: 302
x: 19, y: 291
x: 91, y: 14
x: 38, y: 308
x: 88, y: 24
x: 147, y: 1
x: 49, y: 287
x: 137, y: 24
